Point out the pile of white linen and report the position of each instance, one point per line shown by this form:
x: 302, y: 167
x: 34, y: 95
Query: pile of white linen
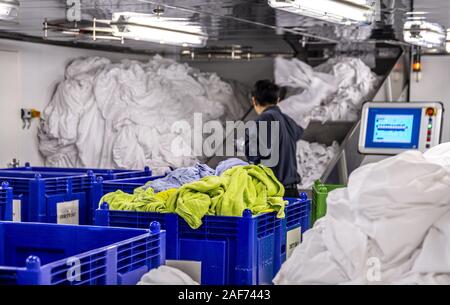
x: 166, y: 275
x: 119, y: 115
x: 391, y: 225
x: 313, y: 160
x: 333, y: 91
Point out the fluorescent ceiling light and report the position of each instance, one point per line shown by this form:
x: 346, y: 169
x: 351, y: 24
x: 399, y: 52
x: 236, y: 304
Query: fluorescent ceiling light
x: 416, y: 16
x: 424, y: 34
x: 416, y: 13
x: 9, y: 9
x: 349, y: 12
x: 158, y: 29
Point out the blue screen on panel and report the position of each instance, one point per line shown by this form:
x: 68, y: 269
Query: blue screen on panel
x: 393, y: 128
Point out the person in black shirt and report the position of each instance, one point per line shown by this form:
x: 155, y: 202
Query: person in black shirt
x: 273, y: 141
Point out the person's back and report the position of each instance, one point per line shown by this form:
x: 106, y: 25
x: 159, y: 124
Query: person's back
x: 276, y: 132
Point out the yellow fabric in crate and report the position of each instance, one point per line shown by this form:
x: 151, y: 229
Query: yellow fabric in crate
x: 253, y: 187
x: 140, y: 201
x: 243, y: 187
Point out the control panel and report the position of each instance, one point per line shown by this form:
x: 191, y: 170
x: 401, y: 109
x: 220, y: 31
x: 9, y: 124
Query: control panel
x: 391, y: 128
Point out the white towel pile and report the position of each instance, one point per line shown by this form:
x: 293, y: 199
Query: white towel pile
x: 333, y: 91
x: 120, y: 115
x: 313, y: 160
x: 166, y: 275
x: 391, y: 225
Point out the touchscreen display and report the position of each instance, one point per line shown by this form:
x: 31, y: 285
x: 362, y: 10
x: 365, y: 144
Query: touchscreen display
x: 393, y: 128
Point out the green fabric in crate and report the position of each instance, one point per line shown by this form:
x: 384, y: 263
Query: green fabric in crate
x: 253, y: 187
x: 242, y: 187
x: 140, y: 201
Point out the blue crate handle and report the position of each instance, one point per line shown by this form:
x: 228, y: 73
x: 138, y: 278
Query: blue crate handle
x: 155, y: 227
x: 33, y: 263
x: 303, y: 196
x: 247, y: 213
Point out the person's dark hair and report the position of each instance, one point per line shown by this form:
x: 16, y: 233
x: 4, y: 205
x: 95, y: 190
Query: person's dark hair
x: 266, y: 92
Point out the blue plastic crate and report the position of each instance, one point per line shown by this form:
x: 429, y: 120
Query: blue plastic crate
x: 106, y: 174
x: 297, y: 222
x: 298, y: 213
x: 126, y: 185
x: 232, y: 250
x: 48, y: 254
x: 6, y: 201
x: 53, y: 197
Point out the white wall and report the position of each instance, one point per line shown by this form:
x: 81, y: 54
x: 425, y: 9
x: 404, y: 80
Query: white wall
x: 434, y: 86
x: 31, y: 73
x: 9, y: 101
